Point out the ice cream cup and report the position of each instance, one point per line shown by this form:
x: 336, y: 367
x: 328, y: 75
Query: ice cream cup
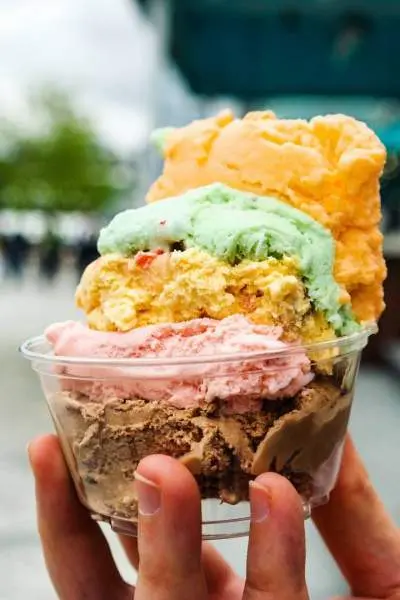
x: 111, y: 413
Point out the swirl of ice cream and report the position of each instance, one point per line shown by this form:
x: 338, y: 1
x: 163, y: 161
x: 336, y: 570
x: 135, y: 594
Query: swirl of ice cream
x: 240, y: 385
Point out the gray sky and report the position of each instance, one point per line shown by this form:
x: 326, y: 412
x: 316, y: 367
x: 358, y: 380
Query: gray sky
x: 104, y: 51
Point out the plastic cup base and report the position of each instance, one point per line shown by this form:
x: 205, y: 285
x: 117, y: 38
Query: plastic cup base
x: 211, y: 529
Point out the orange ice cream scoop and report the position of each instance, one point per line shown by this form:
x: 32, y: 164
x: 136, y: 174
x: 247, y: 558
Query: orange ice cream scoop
x: 328, y: 167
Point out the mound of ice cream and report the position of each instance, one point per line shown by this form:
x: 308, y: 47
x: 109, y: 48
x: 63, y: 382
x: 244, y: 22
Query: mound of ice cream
x: 234, y: 227
x: 328, y: 167
x: 265, y: 239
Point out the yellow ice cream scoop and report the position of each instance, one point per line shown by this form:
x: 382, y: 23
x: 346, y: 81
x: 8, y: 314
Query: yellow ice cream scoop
x: 119, y: 293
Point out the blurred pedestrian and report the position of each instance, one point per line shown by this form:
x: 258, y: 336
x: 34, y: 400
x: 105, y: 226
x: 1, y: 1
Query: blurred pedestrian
x: 2, y: 261
x: 49, y: 256
x: 86, y: 253
x: 15, y: 253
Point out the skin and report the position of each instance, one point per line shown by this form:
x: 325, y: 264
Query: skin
x: 171, y: 560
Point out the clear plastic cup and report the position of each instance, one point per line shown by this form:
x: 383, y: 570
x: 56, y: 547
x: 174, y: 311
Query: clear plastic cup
x: 110, y: 413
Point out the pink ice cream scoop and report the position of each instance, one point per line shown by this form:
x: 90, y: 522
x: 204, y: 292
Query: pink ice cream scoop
x: 241, y: 384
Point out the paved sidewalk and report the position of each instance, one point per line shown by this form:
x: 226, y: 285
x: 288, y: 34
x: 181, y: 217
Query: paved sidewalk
x: 25, y: 311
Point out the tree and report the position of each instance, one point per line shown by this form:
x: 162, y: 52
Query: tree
x: 62, y: 167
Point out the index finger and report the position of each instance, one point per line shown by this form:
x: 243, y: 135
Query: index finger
x: 359, y: 533
x: 169, y: 537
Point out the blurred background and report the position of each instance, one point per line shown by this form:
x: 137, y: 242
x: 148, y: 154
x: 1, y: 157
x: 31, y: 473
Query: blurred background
x: 82, y: 85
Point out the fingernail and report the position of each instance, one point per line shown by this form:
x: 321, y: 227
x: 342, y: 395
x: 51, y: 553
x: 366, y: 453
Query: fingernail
x: 259, y: 502
x: 149, y: 495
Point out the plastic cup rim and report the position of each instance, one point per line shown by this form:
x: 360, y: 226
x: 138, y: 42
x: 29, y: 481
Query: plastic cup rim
x: 357, y: 342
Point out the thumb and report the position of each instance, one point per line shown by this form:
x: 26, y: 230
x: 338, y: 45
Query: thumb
x: 276, y: 553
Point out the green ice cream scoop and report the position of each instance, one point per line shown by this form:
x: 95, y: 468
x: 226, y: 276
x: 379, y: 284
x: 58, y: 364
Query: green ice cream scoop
x: 234, y: 225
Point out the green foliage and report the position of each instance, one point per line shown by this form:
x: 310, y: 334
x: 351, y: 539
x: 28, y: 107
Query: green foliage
x: 63, y: 167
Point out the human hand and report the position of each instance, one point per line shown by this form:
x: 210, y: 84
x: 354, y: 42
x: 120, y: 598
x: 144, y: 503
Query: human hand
x: 172, y: 562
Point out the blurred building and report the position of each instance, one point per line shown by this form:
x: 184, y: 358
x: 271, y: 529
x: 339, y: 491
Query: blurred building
x: 253, y: 49
x: 299, y: 59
